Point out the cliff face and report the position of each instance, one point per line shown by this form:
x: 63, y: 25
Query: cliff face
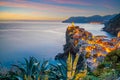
x: 113, y: 26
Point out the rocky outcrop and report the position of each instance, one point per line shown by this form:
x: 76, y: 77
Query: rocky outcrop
x: 71, y: 44
x: 92, y: 49
x: 73, y: 35
x: 113, y: 26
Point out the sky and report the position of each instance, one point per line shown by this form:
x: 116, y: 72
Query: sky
x: 55, y: 9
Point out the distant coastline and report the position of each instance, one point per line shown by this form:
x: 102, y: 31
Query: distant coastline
x: 90, y: 19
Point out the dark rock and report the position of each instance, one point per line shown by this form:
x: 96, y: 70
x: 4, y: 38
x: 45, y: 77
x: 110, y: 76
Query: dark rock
x: 113, y: 26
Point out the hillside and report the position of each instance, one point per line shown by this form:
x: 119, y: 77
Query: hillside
x: 95, y: 18
x: 113, y: 26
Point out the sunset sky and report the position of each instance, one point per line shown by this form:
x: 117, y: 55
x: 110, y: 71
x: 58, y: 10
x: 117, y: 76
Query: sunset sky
x: 55, y: 9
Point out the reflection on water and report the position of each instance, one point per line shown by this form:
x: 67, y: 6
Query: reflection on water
x: 39, y: 39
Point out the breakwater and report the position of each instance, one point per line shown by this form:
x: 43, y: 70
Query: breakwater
x: 92, y: 49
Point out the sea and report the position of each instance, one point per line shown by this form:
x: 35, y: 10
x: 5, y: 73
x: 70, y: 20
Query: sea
x: 40, y: 39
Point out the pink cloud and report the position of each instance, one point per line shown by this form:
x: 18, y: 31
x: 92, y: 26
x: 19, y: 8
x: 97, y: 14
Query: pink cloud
x: 39, y: 6
x: 78, y: 2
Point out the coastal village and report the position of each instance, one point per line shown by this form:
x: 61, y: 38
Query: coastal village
x: 82, y: 60
x: 94, y: 48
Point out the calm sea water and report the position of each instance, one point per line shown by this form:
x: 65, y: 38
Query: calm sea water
x: 20, y: 40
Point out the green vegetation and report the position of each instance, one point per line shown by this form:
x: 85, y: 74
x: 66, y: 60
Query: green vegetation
x: 109, y: 69
x: 67, y: 70
x: 114, y: 59
x: 32, y: 69
x: 6, y: 74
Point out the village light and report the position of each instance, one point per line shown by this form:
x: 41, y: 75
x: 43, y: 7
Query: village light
x: 94, y: 47
x: 118, y: 34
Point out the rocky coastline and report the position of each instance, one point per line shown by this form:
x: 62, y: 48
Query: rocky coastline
x: 92, y: 49
x: 113, y: 25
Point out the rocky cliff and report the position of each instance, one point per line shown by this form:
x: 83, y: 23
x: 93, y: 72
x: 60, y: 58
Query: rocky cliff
x: 91, y: 49
x: 113, y: 26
